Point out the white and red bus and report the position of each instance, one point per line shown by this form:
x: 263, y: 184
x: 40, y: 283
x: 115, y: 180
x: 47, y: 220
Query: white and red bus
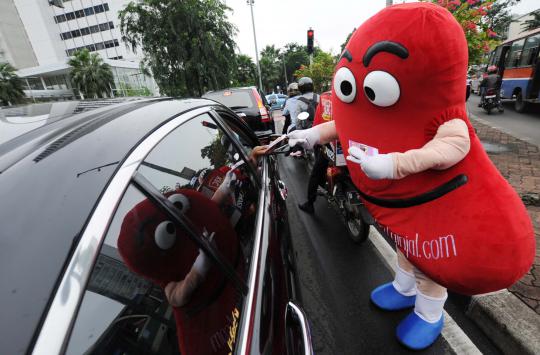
x: 518, y: 61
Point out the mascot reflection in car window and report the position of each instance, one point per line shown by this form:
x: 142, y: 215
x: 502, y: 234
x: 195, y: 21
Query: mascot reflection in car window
x: 421, y: 169
x: 203, y: 299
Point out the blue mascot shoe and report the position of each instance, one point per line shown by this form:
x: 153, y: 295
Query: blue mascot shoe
x: 386, y: 297
x: 417, y: 334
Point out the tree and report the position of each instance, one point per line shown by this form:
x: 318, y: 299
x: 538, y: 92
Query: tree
x: 344, y: 44
x: 246, y: 71
x: 532, y: 23
x: 11, y: 89
x: 187, y: 44
x: 478, y: 18
x: 89, y: 74
x: 321, y: 71
x: 499, y: 17
x: 271, y: 72
x: 295, y: 56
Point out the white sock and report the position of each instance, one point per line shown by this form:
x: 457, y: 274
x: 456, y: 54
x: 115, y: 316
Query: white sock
x: 429, y: 308
x: 404, y: 282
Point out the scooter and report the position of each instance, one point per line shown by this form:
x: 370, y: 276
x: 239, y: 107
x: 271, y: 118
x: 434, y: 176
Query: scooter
x: 343, y: 195
x: 491, y: 101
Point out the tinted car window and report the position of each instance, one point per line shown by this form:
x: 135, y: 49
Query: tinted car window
x: 514, y: 57
x: 240, y: 98
x: 153, y: 290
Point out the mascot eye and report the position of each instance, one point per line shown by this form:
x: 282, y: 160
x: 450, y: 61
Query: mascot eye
x: 345, y: 85
x: 180, y: 201
x: 165, y: 235
x: 381, y: 88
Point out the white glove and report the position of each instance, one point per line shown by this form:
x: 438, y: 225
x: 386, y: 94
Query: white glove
x: 306, y: 138
x: 202, y: 264
x: 377, y: 167
x: 228, y: 183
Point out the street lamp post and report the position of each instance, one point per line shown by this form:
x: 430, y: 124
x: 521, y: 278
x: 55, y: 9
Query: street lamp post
x: 250, y: 3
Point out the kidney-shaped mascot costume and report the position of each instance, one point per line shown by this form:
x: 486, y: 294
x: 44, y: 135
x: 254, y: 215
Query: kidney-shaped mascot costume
x: 399, y: 109
x: 204, y: 300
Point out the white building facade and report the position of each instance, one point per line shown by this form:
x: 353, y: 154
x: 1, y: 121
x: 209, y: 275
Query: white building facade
x: 38, y: 39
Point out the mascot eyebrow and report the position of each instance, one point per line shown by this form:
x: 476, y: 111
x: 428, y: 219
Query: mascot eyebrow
x: 385, y: 46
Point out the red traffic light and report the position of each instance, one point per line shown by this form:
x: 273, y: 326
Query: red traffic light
x: 310, y: 33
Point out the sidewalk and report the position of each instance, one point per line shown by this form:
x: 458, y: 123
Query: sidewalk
x: 519, y: 162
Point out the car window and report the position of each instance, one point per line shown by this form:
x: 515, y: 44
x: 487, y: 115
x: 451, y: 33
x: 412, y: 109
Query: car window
x: 229, y: 98
x: 153, y: 290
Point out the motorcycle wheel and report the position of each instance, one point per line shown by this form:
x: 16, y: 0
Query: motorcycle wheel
x: 358, y: 229
x: 488, y: 110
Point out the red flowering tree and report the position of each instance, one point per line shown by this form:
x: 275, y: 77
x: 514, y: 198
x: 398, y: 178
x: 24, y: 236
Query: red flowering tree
x: 475, y: 16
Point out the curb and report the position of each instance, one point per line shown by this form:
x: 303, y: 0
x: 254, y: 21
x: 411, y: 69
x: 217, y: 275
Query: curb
x: 507, y: 321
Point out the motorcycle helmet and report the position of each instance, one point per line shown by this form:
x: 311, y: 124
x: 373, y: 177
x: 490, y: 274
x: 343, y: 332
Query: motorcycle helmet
x: 292, y: 90
x: 492, y: 69
x: 305, y: 85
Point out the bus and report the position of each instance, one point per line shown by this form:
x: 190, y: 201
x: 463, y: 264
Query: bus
x: 518, y: 63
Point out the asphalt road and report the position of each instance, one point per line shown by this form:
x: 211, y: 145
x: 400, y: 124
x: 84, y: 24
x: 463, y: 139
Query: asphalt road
x: 336, y: 277
x: 525, y: 126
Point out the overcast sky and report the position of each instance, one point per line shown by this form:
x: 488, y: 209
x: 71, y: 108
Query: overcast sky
x: 280, y: 22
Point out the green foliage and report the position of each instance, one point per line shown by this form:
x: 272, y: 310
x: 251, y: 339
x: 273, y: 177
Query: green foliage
x: 90, y: 75
x: 215, y: 152
x: 295, y: 56
x: 187, y: 44
x: 11, y: 89
x: 124, y: 89
x: 480, y: 19
x: 271, y: 68
x: 533, y: 23
x: 246, y: 72
x: 321, y: 71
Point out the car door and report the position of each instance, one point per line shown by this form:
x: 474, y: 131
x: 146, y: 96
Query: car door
x: 272, y: 322
x: 172, y: 216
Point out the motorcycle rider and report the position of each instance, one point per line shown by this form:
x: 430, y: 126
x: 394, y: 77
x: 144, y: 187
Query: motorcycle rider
x: 304, y: 103
x: 318, y: 173
x: 492, y: 81
x: 290, y: 106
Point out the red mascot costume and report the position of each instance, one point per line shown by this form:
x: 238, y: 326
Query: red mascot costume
x: 399, y: 110
x: 203, y: 299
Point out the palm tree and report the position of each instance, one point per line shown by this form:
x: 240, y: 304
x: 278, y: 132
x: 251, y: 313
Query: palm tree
x: 11, y: 89
x: 532, y: 23
x: 90, y: 75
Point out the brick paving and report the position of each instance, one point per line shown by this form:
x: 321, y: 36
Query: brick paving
x: 520, y: 165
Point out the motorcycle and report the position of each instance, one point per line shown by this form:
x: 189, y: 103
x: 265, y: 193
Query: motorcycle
x: 491, y: 101
x: 339, y: 189
x: 343, y: 195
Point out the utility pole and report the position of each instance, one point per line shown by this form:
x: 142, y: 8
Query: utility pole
x: 250, y: 3
x: 285, y: 71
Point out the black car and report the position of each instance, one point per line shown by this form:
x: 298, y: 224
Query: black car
x: 249, y: 104
x: 108, y: 214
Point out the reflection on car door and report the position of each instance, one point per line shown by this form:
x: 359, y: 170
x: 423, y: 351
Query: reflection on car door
x: 171, y: 274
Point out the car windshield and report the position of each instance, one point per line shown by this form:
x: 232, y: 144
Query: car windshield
x: 233, y: 98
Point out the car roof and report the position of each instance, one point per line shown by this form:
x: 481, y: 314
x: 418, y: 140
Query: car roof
x: 50, y: 181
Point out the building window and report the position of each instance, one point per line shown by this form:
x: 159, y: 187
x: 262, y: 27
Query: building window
x: 81, y: 13
x: 95, y: 47
x: 87, y: 30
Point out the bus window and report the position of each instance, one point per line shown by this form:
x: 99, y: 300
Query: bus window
x: 530, y: 51
x: 495, y: 56
x: 514, y: 57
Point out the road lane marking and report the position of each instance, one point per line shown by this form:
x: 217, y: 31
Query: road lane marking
x: 456, y: 338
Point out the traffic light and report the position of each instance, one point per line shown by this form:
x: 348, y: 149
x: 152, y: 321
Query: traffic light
x: 310, y: 37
